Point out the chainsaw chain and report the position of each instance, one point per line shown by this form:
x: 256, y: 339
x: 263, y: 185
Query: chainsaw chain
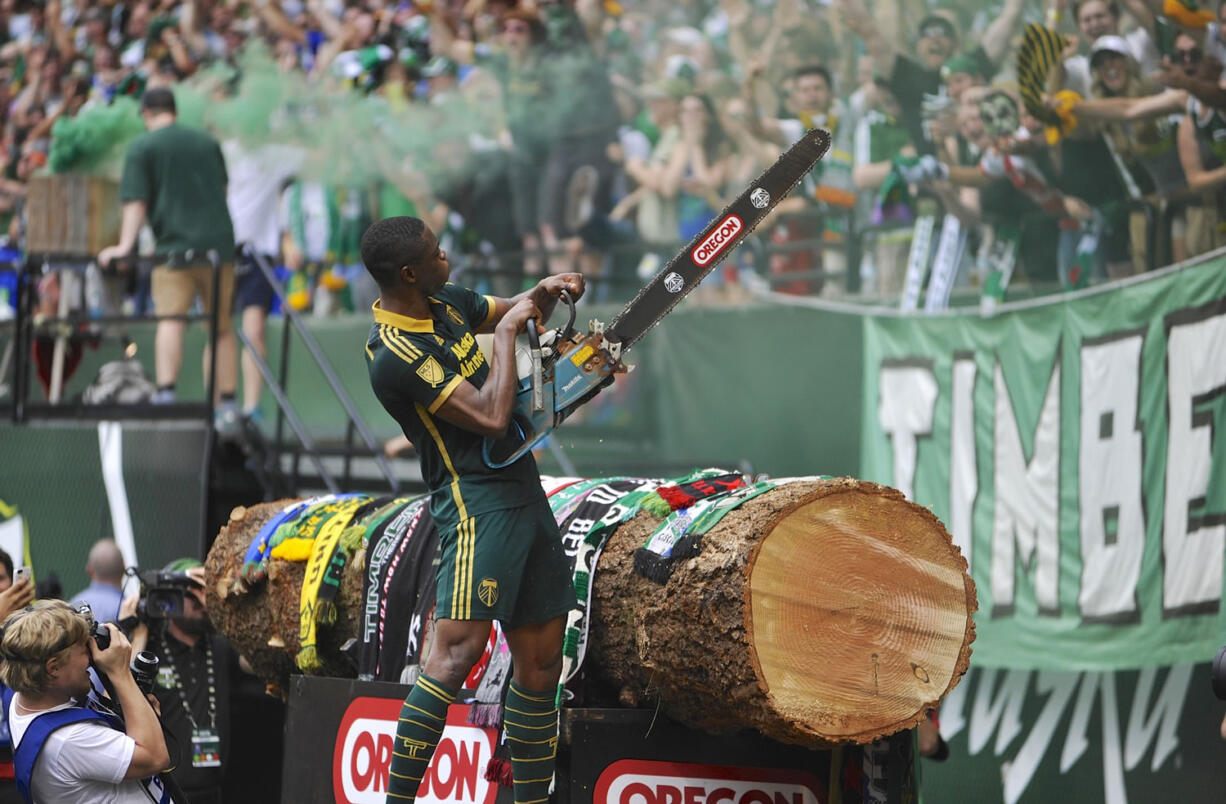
x: 790, y: 155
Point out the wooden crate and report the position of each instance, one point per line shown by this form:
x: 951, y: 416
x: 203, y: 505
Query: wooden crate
x: 71, y: 215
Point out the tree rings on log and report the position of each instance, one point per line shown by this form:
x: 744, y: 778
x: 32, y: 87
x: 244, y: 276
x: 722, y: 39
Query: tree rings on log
x: 819, y: 612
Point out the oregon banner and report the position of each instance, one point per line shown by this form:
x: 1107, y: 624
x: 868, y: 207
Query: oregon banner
x: 1073, y: 447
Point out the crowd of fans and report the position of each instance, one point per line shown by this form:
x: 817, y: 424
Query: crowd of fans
x: 603, y: 134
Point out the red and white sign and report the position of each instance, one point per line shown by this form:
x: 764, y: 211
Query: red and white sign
x: 363, y: 754
x: 634, y: 781
x: 717, y: 241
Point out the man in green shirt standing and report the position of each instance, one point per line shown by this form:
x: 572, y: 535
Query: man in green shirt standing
x: 176, y: 177
x: 500, y: 554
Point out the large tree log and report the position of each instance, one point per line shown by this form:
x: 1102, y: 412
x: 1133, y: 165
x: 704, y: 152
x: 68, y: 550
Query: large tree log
x: 262, y: 623
x: 819, y: 612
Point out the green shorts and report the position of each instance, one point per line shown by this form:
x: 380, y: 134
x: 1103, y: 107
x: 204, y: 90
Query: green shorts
x: 504, y: 565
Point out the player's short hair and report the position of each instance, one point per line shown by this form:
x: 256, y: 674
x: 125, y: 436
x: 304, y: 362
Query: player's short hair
x: 390, y: 244
x: 30, y: 637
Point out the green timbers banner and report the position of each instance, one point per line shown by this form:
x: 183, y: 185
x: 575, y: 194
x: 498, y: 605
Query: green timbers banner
x: 1074, y: 449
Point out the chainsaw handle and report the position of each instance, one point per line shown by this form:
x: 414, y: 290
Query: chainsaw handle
x: 569, y: 329
x: 538, y: 372
x: 534, y: 335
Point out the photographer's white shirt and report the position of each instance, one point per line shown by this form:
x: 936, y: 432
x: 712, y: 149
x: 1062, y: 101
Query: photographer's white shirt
x: 83, y: 762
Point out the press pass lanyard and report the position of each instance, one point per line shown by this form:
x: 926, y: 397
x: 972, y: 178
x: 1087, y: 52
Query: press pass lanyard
x: 206, y: 743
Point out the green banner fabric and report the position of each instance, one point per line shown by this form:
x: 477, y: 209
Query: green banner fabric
x: 1042, y: 736
x: 1070, y: 448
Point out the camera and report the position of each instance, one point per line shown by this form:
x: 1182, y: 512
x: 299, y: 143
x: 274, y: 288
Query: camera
x: 97, y: 631
x: 144, y: 663
x: 161, y: 593
x: 145, y: 670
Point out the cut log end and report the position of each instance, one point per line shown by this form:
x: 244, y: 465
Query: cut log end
x: 870, y: 626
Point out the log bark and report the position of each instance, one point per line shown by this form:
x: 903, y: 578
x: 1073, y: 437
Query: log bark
x: 262, y: 623
x: 817, y: 613
x: 822, y: 612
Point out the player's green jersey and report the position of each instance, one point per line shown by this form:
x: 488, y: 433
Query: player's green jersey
x: 415, y: 365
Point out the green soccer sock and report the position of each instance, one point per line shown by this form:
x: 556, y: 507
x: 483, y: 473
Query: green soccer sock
x: 422, y: 719
x: 531, y: 721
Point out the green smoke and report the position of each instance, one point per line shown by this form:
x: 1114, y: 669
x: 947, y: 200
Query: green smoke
x: 350, y: 137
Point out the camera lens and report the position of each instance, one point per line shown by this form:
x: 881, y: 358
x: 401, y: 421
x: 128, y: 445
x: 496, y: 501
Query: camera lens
x: 146, y: 662
x: 145, y: 670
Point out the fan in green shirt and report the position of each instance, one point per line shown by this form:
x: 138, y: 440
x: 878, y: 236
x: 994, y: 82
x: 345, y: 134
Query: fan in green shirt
x: 175, y: 177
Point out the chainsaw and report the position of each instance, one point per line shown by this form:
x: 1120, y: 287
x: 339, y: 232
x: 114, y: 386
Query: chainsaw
x: 561, y: 369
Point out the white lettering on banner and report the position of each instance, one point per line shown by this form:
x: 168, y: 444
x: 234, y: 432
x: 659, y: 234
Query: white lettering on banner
x: 1004, y: 711
x: 963, y: 467
x: 1164, y: 720
x: 635, y: 781
x: 1146, y: 721
x: 1027, y: 501
x: 1109, y: 480
x: 1113, y: 767
x: 717, y: 241
x: 366, y: 750
x: 363, y: 754
x: 636, y: 789
x: 1059, y: 685
x: 1192, y: 542
x: 1076, y: 742
x: 905, y: 410
x: 457, y: 770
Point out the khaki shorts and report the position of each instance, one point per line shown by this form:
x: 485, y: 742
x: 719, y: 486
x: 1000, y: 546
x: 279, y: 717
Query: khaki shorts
x: 1203, y: 233
x: 173, y: 290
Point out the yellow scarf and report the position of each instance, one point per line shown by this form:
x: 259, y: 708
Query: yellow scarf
x: 325, y: 543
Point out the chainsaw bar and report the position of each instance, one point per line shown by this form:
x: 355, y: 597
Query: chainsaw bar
x: 709, y: 248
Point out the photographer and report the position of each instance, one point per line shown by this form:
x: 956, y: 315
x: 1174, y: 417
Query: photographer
x: 65, y: 751
x: 14, y: 594
x: 194, y: 678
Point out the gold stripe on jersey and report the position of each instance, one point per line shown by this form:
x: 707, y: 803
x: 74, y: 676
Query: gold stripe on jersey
x: 489, y: 316
x: 395, y: 347
x: 445, y: 394
x: 428, y: 421
x: 398, y: 344
x: 408, y: 345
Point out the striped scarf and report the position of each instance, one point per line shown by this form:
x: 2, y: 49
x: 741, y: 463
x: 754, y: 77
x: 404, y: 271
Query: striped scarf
x: 1040, y: 51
